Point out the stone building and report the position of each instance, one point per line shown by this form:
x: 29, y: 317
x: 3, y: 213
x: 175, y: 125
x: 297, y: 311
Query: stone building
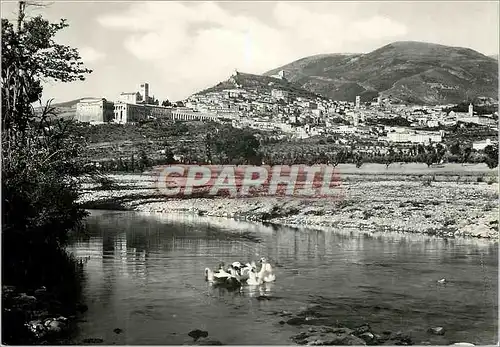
x: 133, y: 113
x: 94, y: 110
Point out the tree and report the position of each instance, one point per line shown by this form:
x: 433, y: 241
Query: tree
x: 455, y: 148
x: 491, y: 159
x: 466, y: 153
x: 40, y: 163
x: 144, y: 161
x: 132, y: 163
x: 440, y: 152
x: 358, y: 158
x: 30, y: 55
x: 431, y: 156
x: 337, y: 158
x: 389, y: 157
x: 232, y: 145
x: 208, y: 148
x: 169, y: 155
x: 166, y: 103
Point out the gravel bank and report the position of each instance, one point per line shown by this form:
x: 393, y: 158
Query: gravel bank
x: 444, y: 202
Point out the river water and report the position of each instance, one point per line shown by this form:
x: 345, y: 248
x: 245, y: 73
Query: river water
x: 145, y: 275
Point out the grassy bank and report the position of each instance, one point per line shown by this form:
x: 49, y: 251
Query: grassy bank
x: 452, y: 200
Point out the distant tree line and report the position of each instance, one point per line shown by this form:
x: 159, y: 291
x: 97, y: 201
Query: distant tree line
x: 394, y: 122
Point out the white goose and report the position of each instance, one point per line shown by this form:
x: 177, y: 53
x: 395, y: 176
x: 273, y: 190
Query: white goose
x: 245, y: 271
x: 209, y: 275
x: 219, y: 275
x: 253, y: 280
x: 266, y: 271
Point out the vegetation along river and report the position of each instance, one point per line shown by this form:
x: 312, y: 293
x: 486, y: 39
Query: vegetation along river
x: 145, y: 276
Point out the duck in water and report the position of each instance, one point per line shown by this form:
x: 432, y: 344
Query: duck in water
x: 222, y: 277
x: 266, y: 273
x: 245, y: 270
x: 253, y: 280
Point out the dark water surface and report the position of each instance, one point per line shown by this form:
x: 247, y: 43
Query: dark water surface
x: 145, y: 275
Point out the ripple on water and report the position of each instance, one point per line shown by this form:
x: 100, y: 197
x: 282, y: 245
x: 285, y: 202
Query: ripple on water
x: 145, y: 276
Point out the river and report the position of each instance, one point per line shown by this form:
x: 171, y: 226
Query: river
x: 145, y: 275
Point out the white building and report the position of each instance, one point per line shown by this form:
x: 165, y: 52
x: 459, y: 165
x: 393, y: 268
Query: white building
x: 142, y: 96
x: 279, y: 94
x: 129, y: 98
x: 413, y: 137
x: 481, y: 145
x: 358, y: 102
x: 132, y: 113
x: 94, y: 110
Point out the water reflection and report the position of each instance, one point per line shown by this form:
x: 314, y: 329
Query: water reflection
x: 145, y: 271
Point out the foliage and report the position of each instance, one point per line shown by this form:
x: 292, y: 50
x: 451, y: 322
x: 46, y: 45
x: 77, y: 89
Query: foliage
x: 39, y: 157
x: 491, y: 152
x: 233, y: 146
x: 396, y: 121
x: 29, y: 56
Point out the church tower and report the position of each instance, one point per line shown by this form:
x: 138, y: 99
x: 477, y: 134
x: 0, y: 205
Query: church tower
x: 145, y: 92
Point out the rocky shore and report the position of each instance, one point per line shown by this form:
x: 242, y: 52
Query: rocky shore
x: 35, y: 317
x: 319, y: 328
x: 441, y: 202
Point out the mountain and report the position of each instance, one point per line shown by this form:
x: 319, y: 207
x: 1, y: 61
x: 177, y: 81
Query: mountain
x: 494, y: 56
x: 260, y: 84
x: 408, y: 71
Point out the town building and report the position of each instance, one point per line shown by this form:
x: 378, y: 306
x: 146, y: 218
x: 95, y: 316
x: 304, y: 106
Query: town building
x: 415, y: 137
x: 358, y: 102
x: 94, y: 110
x: 481, y: 145
x: 478, y: 120
x: 279, y: 94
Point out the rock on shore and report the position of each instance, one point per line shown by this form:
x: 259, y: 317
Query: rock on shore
x: 35, y: 319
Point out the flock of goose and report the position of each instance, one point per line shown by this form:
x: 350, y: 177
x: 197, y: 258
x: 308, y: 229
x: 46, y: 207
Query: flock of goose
x: 238, y: 274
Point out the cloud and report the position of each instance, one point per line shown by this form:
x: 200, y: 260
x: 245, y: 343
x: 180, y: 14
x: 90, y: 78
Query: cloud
x: 196, y: 45
x: 91, y: 55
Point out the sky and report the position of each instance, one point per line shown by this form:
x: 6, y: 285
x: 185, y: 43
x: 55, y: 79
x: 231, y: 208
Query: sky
x: 180, y: 48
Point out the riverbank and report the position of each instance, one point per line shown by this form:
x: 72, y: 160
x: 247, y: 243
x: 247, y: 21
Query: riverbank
x: 34, y: 317
x: 449, y: 201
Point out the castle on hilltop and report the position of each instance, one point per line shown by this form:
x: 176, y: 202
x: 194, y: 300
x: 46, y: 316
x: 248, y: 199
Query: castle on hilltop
x: 281, y: 75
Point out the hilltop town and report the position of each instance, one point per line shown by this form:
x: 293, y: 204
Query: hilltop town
x: 283, y: 112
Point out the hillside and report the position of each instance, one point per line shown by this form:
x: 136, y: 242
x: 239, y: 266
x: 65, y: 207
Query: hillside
x: 414, y: 72
x: 260, y: 84
x: 67, y: 104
